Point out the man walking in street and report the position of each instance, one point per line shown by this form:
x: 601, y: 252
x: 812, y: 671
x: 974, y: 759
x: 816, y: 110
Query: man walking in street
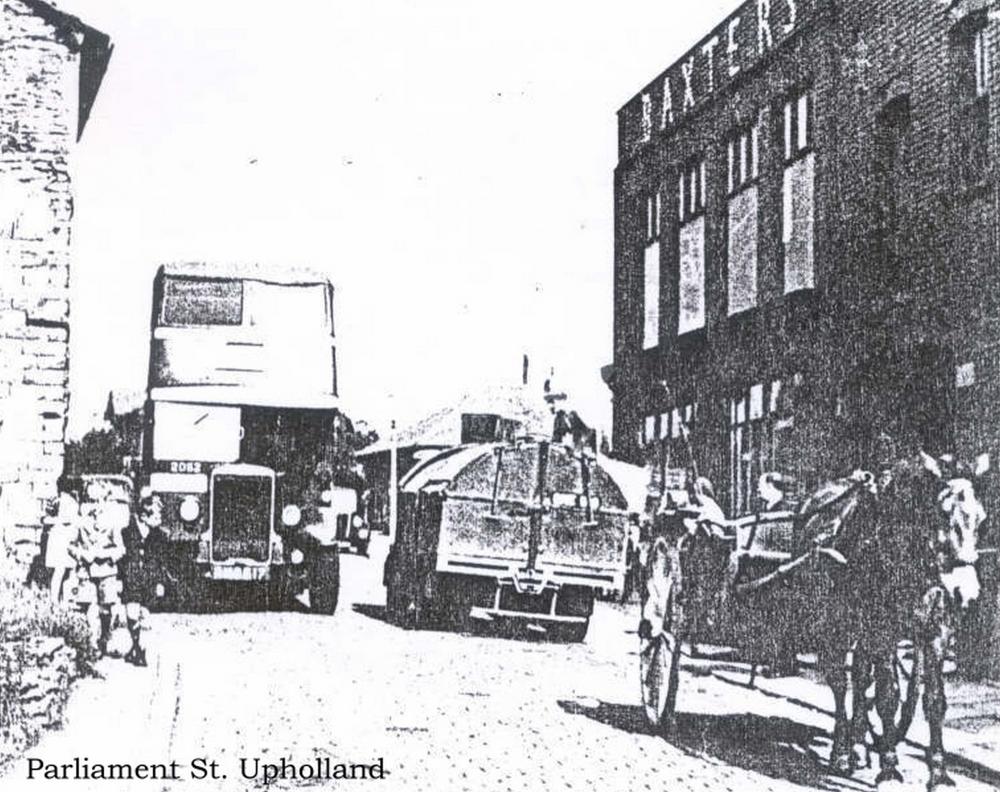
x: 135, y: 576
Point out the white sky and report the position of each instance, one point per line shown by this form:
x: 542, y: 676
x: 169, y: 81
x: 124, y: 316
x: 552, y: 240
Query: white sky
x: 448, y: 163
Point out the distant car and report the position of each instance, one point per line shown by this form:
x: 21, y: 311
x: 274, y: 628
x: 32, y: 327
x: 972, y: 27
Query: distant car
x: 343, y: 522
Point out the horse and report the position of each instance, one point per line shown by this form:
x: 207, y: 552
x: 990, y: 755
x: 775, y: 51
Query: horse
x: 912, y: 575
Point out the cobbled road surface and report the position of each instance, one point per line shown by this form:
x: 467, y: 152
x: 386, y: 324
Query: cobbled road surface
x: 443, y: 711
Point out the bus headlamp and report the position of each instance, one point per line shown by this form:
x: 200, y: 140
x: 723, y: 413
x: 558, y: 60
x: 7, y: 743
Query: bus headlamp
x: 291, y: 515
x: 356, y: 521
x: 190, y: 509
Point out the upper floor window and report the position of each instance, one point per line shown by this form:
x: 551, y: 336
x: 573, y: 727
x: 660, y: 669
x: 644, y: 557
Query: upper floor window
x: 892, y: 136
x: 797, y: 130
x: 691, y: 188
x: 651, y: 273
x: 981, y: 60
x: 743, y: 158
x: 797, y: 192
x: 972, y: 58
x: 653, y: 216
x: 743, y: 161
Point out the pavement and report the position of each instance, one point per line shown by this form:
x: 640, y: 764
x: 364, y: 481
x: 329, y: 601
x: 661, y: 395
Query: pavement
x: 972, y: 724
x: 446, y: 711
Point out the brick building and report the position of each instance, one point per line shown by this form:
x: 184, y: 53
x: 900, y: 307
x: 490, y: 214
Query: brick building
x: 51, y: 65
x: 806, y: 244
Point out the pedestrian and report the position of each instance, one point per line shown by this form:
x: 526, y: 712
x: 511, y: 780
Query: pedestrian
x: 63, y: 527
x: 135, y: 575
x: 100, y: 547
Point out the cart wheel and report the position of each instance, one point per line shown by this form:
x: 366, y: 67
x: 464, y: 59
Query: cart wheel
x: 659, y: 649
x: 909, y: 666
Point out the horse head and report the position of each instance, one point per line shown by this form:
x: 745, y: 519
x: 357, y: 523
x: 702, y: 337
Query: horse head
x: 956, y: 537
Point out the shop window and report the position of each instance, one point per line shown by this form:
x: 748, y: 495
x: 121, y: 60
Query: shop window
x: 753, y: 414
x: 669, y: 428
x: 649, y: 430
x: 965, y: 375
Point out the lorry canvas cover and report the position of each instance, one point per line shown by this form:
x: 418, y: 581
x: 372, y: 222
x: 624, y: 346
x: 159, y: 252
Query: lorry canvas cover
x: 530, y: 510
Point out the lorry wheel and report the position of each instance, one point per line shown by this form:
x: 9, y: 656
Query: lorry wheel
x: 324, y: 583
x: 279, y: 590
x: 573, y: 632
x: 454, y: 602
x: 393, y: 607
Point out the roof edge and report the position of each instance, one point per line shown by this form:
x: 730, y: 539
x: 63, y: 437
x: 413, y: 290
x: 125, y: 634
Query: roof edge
x: 95, y: 50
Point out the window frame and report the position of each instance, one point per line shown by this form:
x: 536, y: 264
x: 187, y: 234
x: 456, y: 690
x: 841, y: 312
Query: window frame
x: 667, y: 439
x: 743, y: 423
x: 692, y: 186
x: 981, y: 55
x: 653, y: 235
x: 971, y: 63
x: 654, y: 217
x: 791, y: 125
x: 742, y: 169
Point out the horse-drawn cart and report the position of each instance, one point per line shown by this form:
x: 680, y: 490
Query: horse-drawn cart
x: 872, y: 573
x: 767, y: 585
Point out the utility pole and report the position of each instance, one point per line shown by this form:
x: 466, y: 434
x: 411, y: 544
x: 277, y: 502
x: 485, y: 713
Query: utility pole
x: 393, y: 481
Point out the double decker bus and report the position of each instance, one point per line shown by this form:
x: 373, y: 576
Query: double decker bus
x: 241, y: 416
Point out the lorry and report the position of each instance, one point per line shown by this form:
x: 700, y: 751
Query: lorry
x: 522, y: 531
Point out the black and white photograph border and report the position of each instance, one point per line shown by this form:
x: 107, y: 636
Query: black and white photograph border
x: 549, y: 396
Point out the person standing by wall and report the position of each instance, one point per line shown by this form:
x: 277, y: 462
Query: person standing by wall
x: 63, y: 527
x: 99, y: 548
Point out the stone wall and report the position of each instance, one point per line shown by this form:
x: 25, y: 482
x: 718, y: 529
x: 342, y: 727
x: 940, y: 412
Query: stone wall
x: 35, y: 678
x: 39, y: 74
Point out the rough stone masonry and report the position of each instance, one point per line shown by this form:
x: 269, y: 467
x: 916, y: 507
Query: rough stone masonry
x: 50, y: 68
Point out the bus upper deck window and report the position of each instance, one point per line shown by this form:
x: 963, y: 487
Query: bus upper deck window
x: 202, y: 301
x: 289, y: 308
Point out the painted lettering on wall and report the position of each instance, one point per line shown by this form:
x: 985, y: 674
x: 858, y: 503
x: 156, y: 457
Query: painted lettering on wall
x: 752, y: 31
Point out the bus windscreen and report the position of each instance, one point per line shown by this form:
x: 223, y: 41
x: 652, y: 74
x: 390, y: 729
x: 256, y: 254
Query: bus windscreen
x: 196, y: 432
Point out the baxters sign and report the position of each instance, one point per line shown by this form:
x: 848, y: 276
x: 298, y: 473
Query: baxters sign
x: 752, y: 31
